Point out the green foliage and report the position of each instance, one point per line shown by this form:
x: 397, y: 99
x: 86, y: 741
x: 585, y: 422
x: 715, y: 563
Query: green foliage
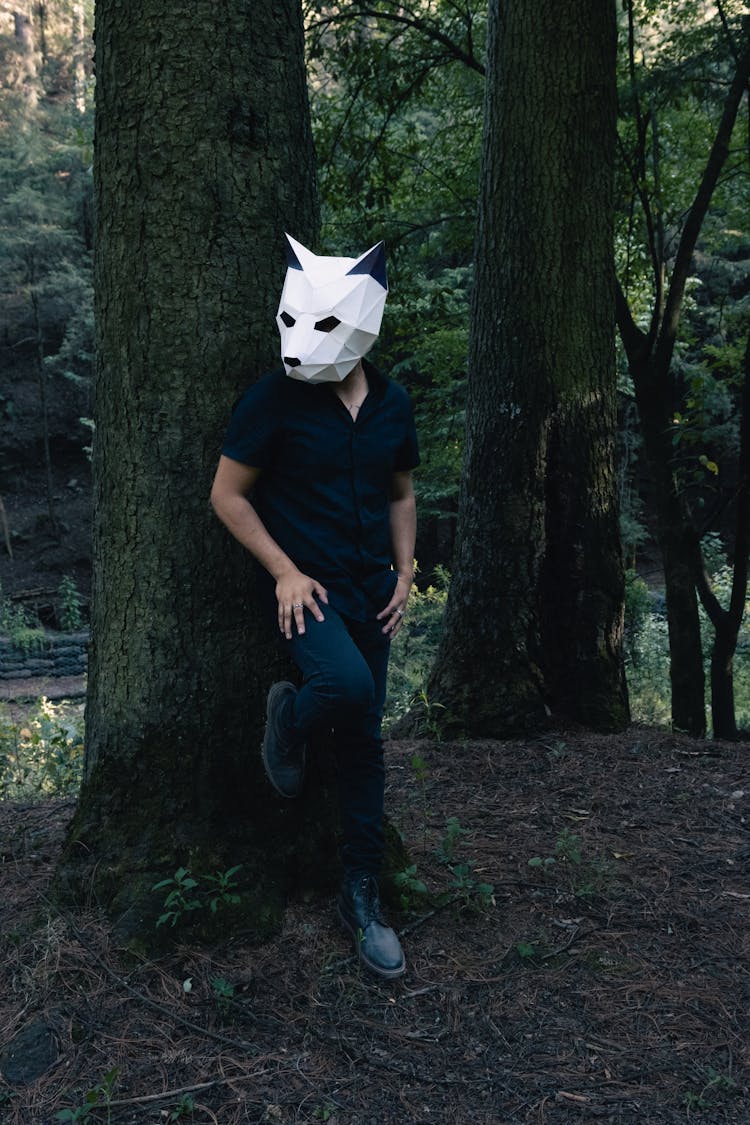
x: 413, y: 652
x: 180, y: 900
x: 411, y: 888
x: 46, y: 206
x: 647, y: 643
x: 17, y: 624
x: 185, y: 1108
x: 325, y: 1111
x: 43, y: 756
x: 453, y: 835
x: 472, y: 893
x: 584, y: 877
x: 567, y: 850
x: 716, y: 1085
x: 70, y: 603
x: 188, y: 893
x: 97, y: 1098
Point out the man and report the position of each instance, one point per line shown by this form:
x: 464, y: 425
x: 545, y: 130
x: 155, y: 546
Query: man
x: 327, y: 448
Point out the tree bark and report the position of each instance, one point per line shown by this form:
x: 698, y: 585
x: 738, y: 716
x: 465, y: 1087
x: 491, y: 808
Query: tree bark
x: 203, y: 158
x: 534, y: 615
x: 727, y: 622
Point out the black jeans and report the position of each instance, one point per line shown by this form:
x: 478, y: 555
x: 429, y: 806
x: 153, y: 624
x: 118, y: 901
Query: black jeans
x: 344, y: 665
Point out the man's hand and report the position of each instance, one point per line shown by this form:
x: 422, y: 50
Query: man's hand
x: 393, y: 614
x: 294, y: 591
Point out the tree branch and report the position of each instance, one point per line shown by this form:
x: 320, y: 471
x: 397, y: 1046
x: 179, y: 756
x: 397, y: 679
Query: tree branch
x: 423, y: 27
x: 633, y: 338
x: 742, y: 538
x: 697, y: 213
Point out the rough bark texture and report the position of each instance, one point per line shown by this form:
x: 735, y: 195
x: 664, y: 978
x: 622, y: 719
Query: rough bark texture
x: 535, y: 608
x: 203, y: 158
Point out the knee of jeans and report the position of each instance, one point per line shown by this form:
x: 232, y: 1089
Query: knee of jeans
x: 353, y: 689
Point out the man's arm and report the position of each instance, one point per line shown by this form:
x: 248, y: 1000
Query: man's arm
x: 294, y: 590
x: 403, y: 518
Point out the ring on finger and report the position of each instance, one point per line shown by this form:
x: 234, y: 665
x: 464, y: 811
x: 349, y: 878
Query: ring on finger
x: 297, y: 605
x: 400, y: 612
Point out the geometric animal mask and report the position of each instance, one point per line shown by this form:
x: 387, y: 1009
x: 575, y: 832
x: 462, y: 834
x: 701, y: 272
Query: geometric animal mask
x: 330, y: 311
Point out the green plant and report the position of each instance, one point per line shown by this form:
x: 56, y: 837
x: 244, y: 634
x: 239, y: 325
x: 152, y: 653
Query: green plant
x: 18, y: 625
x: 96, y: 1098
x: 568, y: 847
x: 421, y: 770
x: 180, y: 900
x: 223, y: 991
x: 545, y: 862
x: 469, y: 891
x: 70, y: 602
x: 432, y: 718
x: 413, y: 652
x: 184, y: 1107
x: 324, y: 1112
x: 584, y: 878
x: 221, y: 890
x: 717, y: 1083
x: 410, y: 886
x: 453, y: 833
x: 188, y: 893
x: 567, y: 850
x: 43, y: 755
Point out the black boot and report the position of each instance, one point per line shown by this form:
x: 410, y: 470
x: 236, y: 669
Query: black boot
x: 284, y: 754
x: 376, y: 943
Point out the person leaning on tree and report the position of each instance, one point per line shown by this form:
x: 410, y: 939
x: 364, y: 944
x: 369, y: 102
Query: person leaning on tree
x: 327, y: 447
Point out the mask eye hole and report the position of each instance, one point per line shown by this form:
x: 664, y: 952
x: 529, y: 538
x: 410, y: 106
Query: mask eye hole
x: 288, y: 320
x: 328, y: 324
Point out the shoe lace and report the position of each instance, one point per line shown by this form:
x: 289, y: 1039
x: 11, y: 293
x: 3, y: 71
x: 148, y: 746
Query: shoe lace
x: 367, y: 887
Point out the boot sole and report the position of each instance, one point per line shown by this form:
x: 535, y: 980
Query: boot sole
x: 378, y: 970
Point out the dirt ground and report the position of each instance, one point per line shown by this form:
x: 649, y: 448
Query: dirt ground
x: 610, y: 985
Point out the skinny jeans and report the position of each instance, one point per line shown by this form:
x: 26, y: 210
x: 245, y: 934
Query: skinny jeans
x: 344, y: 664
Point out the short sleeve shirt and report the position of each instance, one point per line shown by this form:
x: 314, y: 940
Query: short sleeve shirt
x: 324, y: 489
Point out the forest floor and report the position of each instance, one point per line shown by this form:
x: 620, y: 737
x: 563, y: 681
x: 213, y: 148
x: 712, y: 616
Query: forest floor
x: 606, y: 982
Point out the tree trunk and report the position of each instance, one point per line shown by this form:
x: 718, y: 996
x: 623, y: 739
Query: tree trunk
x: 650, y: 358
x: 727, y: 622
x: 27, y: 80
x: 678, y: 549
x: 534, y: 614
x: 203, y: 158
x: 79, y: 46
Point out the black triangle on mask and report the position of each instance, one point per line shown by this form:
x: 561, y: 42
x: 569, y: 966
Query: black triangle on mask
x: 372, y: 263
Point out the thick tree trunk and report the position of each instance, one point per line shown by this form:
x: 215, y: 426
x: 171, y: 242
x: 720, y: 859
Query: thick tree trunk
x: 203, y: 158
x: 534, y: 612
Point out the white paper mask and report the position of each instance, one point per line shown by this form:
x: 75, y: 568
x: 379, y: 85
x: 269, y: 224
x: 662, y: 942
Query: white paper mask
x: 330, y: 312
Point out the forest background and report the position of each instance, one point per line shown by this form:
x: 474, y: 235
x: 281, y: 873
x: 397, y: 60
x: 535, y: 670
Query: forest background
x: 573, y: 904
x: 396, y: 99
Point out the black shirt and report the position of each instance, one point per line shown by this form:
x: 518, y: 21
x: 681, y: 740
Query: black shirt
x: 324, y: 490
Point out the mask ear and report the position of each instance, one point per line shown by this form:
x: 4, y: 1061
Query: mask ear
x: 372, y: 262
x: 296, y: 253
